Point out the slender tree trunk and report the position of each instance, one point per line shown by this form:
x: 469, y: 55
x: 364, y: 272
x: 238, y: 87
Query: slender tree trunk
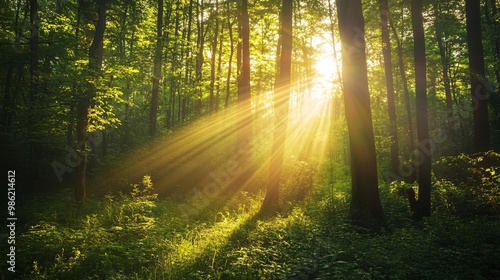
x: 34, y: 111
x: 438, y: 24
x: 200, y: 56
x: 95, y: 65
x: 334, y: 45
x: 187, y: 70
x: 157, y: 71
x: 479, y: 92
x: 365, y: 201
x: 219, y: 70
x: 74, y: 86
x: 244, y: 102
x: 213, y: 58
x: 423, y: 206
x: 402, y: 71
x: 34, y: 25
x: 230, y: 63
x: 492, y: 20
x: 281, y: 103
x: 386, y: 49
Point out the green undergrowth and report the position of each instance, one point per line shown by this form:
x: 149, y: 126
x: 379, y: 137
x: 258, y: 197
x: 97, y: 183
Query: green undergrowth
x: 138, y: 236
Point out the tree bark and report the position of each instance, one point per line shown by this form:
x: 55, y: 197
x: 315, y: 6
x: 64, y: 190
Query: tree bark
x: 200, y: 56
x: 479, y: 92
x: 438, y: 24
x: 281, y: 104
x: 386, y: 50
x: 230, y: 63
x: 244, y: 101
x: 423, y: 208
x: 365, y: 201
x: 213, y: 58
x: 157, y: 71
x: 411, y: 135
x: 95, y: 65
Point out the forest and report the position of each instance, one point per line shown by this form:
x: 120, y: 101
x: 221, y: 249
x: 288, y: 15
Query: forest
x: 236, y: 139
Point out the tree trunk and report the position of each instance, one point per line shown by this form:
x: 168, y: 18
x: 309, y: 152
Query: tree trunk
x: 281, y: 103
x: 213, y: 58
x: 199, y: 56
x: 438, y: 24
x: 411, y: 135
x: 492, y: 20
x: 95, y: 65
x: 244, y: 102
x: 479, y: 92
x: 386, y: 49
x: 230, y: 63
x: 423, y: 208
x: 157, y: 71
x: 334, y: 45
x: 365, y: 201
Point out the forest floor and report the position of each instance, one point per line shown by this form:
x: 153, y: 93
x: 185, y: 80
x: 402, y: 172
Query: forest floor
x: 177, y: 209
x: 136, y: 235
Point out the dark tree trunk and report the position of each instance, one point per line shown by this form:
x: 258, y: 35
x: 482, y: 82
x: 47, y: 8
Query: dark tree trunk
x: 187, y: 70
x: 446, y: 69
x: 281, y: 103
x: 230, y: 63
x: 423, y: 208
x: 199, y: 56
x: 365, y: 201
x: 479, y: 92
x: 213, y: 58
x: 219, y: 70
x: 34, y: 25
x: 411, y: 135
x: 386, y: 49
x: 244, y: 102
x: 95, y: 65
x: 493, y: 22
x: 157, y: 71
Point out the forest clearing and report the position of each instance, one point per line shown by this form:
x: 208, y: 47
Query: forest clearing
x: 209, y: 139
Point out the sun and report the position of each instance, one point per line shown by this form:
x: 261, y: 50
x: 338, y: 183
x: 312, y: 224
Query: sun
x: 326, y: 74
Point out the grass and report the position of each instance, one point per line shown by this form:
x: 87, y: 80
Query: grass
x: 138, y: 236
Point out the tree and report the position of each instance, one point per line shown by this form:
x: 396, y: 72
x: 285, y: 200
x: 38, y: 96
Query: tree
x: 84, y: 104
x: 445, y: 64
x: 157, y: 70
x: 365, y: 201
x: 422, y: 207
x: 213, y: 58
x: 404, y: 79
x: 386, y: 50
x: 281, y: 103
x: 244, y: 102
x: 477, y: 76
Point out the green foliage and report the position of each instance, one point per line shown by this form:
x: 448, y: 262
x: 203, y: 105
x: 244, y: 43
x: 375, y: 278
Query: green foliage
x: 298, y: 180
x: 469, y: 184
x: 137, y: 236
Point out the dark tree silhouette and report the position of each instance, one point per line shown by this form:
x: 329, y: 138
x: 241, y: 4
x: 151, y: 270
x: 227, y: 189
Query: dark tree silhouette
x: 422, y: 207
x: 157, y: 71
x: 365, y: 200
x: 477, y: 76
x: 386, y: 50
x: 95, y: 65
